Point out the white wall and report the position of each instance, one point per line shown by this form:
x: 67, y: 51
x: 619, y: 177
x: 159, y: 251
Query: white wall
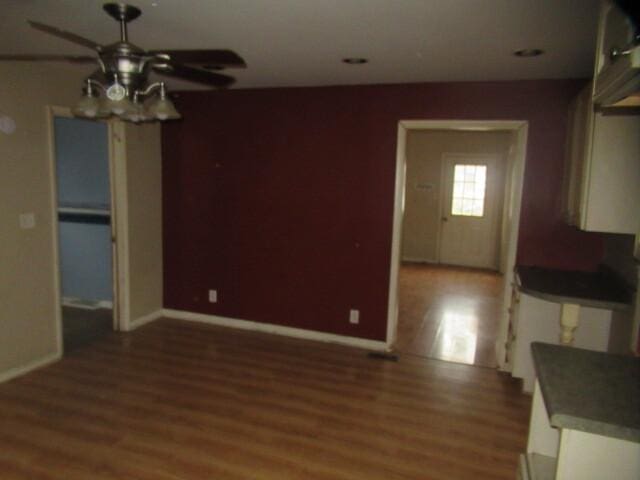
x: 28, y: 332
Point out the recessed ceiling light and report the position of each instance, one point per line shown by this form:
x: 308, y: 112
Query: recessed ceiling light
x: 354, y: 60
x: 528, y: 52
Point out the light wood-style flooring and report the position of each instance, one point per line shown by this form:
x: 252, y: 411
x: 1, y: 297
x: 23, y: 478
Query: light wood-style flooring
x: 449, y: 313
x: 183, y: 401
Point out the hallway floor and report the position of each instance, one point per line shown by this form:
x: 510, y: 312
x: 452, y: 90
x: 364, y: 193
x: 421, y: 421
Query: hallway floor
x: 449, y: 313
x: 81, y: 326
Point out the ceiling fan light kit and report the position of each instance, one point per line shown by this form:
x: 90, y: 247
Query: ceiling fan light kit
x: 163, y: 108
x: 120, y: 87
x: 116, y: 102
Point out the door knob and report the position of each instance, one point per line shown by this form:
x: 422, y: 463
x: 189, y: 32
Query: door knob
x: 445, y: 219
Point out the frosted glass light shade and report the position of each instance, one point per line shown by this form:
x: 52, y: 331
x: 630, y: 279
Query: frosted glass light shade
x: 138, y: 114
x: 104, y: 108
x: 88, y: 106
x: 121, y: 107
x: 163, y: 109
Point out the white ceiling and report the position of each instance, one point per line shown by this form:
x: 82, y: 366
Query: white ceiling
x: 301, y: 42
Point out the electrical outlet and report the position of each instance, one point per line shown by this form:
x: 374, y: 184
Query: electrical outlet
x: 354, y: 316
x: 213, y: 296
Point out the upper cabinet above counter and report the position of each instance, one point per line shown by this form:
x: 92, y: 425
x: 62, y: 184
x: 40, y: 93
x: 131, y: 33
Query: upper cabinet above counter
x: 617, y: 69
x: 602, y: 169
x: 602, y: 176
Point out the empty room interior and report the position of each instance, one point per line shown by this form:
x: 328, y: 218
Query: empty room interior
x: 450, y: 280
x: 319, y: 240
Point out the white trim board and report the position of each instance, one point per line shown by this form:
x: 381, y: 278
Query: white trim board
x: 51, y: 112
x: 140, y: 321
x: 87, y: 304
x: 426, y: 261
x: 119, y: 224
x: 33, y: 365
x: 276, y: 329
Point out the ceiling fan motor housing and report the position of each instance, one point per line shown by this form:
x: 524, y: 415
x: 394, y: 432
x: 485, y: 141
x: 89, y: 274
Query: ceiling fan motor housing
x: 130, y: 63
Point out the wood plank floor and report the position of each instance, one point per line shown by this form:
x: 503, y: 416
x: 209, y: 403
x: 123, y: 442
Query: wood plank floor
x: 449, y: 313
x: 179, y: 401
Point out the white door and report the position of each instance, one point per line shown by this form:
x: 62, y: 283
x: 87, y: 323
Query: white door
x: 473, y: 187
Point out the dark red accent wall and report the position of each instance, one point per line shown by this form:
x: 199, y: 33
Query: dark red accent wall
x: 282, y: 199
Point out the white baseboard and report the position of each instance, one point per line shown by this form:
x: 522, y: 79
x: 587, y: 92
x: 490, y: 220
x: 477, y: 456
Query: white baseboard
x: 21, y: 370
x: 419, y: 260
x: 276, y: 329
x: 87, y: 304
x: 138, y: 322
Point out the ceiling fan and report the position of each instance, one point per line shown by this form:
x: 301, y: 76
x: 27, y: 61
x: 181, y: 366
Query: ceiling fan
x: 124, y: 69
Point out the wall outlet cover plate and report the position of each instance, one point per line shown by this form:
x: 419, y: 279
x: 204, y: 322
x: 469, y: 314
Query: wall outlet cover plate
x: 7, y: 124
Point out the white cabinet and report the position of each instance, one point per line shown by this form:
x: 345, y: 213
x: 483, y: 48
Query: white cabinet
x: 539, y: 321
x: 602, y: 168
x: 580, y: 117
x: 617, y: 70
x: 568, y: 454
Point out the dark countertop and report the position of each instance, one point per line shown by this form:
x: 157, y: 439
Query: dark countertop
x: 590, y: 289
x: 590, y: 391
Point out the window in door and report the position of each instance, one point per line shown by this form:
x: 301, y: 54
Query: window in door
x: 469, y: 185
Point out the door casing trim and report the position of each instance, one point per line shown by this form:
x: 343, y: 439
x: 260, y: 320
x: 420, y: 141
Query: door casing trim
x: 117, y: 246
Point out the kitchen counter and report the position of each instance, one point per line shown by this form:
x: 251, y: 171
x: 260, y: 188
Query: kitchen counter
x: 590, y: 289
x: 588, y: 391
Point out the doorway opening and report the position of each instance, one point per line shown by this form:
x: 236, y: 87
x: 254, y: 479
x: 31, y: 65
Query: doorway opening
x: 84, y: 233
x: 457, y: 206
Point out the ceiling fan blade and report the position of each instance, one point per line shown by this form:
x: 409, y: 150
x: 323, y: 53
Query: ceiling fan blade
x: 197, y: 75
x: 49, y: 58
x: 72, y: 37
x: 99, y: 76
x: 214, y: 58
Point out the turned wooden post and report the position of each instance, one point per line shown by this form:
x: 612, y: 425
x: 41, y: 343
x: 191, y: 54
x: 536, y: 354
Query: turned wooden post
x: 568, y: 322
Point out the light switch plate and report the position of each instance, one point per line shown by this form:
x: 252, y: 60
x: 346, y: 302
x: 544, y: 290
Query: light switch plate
x: 27, y: 220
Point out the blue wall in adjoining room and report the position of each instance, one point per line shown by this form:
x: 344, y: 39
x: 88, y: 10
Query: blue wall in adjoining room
x: 82, y: 170
x: 82, y: 161
x: 85, y: 261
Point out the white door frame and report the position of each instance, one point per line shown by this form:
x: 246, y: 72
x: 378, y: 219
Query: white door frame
x: 118, y: 208
x: 514, y: 183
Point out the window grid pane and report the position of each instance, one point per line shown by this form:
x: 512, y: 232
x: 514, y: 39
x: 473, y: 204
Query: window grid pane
x: 469, y: 185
